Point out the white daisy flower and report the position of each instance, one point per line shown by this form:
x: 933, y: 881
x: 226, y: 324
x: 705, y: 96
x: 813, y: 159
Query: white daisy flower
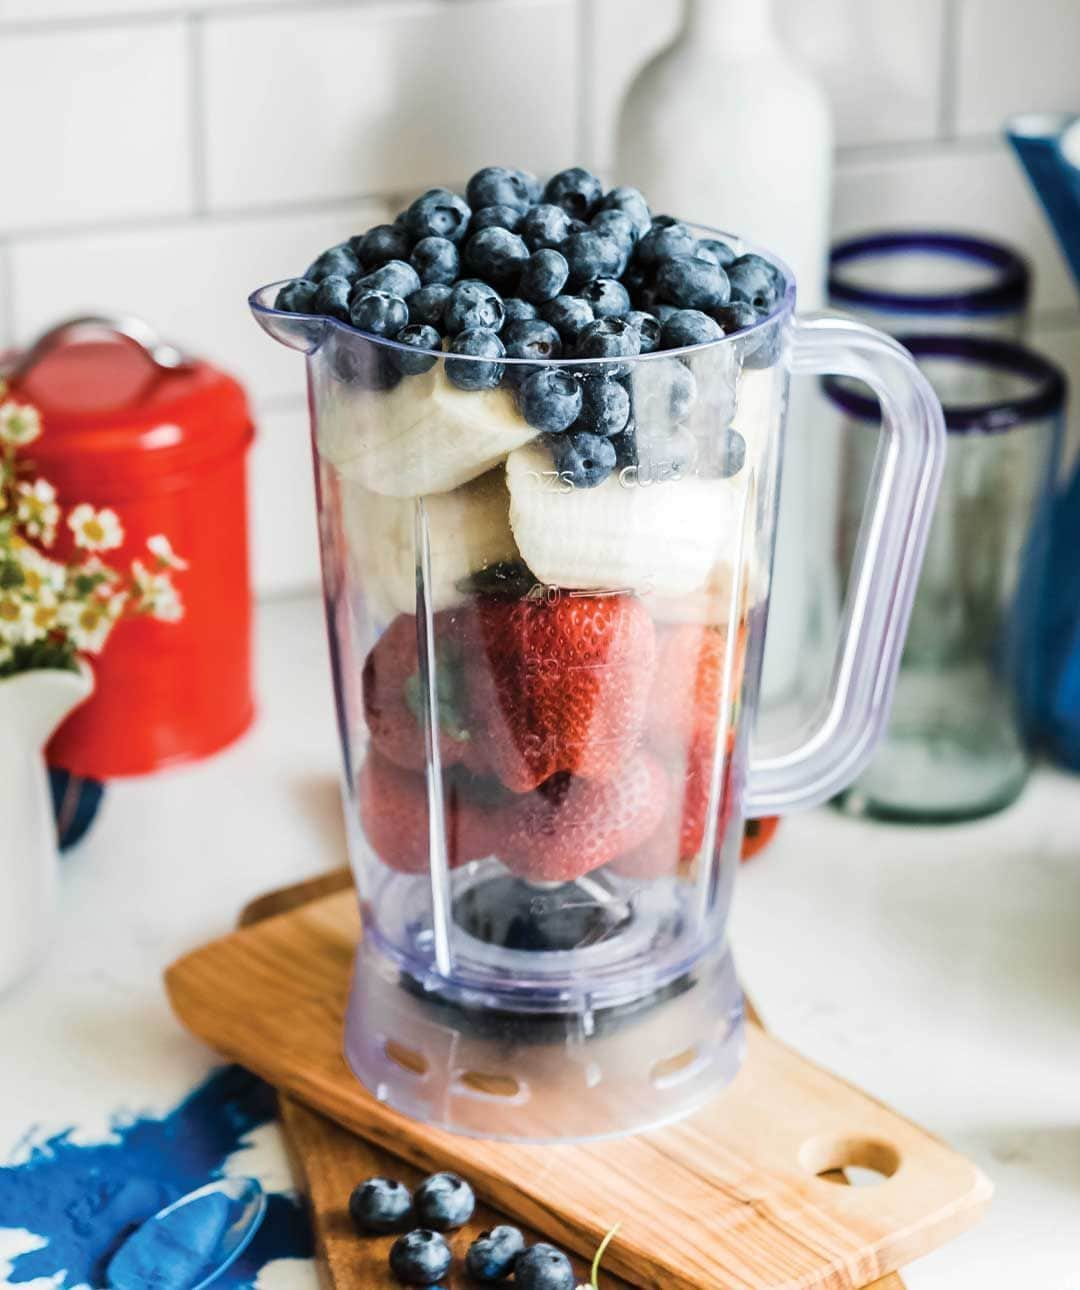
x: 19, y: 423
x: 155, y: 594
x: 17, y: 626
x: 160, y: 547
x: 42, y: 577
x: 89, y: 622
x: 37, y: 510
x: 95, y: 530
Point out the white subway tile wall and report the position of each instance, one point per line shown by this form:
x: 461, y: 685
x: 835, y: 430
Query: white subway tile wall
x: 172, y: 154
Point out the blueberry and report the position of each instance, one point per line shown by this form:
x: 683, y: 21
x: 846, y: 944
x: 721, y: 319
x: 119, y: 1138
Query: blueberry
x: 332, y: 297
x: 576, y: 190
x: 473, y: 304
x: 380, y: 1205
x: 632, y: 204
x: 584, y: 460
x: 444, y: 1201
x: 608, y: 297
x: 381, y: 243
x: 608, y: 338
x: 721, y: 253
x: 363, y: 363
x: 690, y: 283
x: 754, y: 281
x: 688, y: 327
x: 735, y: 316
x: 498, y: 186
x: 492, y: 1255
x: 550, y: 400
x: 380, y: 313
x: 605, y: 406
x: 545, y: 275
x: 395, y: 276
x: 339, y: 261
x: 418, y: 336
x: 438, y: 213
x: 663, y: 313
x: 724, y: 456
x: 497, y: 255
x: 420, y: 1258
x: 436, y: 260
x: 545, y: 225
x: 663, y: 394
x: 297, y: 297
x: 471, y: 374
x: 568, y: 315
x: 616, y: 224
x: 647, y: 327
x: 533, y: 187
x: 531, y: 339
x: 594, y: 255
x: 661, y: 243
x: 636, y: 279
x: 508, y: 217
x: 429, y: 304
x: 518, y: 310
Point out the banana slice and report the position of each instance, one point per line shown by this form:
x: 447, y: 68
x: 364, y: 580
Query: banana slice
x: 424, y: 436
x: 662, y: 538
x: 468, y: 530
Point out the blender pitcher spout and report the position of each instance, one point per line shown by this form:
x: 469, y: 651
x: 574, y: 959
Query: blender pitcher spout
x: 302, y: 332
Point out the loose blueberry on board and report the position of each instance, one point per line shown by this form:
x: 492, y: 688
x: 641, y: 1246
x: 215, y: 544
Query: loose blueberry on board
x: 518, y: 310
x: 508, y: 217
x: 395, y: 276
x: 420, y: 1258
x: 631, y: 202
x: 691, y: 283
x: 544, y: 276
x: 543, y: 1267
x: 721, y: 253
x: 492, y: 1255
x: 444, y: 1201
x: 584, y: 459
x: 545, y: 225
x: 332, y: 297
x: 609, y: 338
x: 436, y: 260
x: 569, y: 315
x: 297, y: 297
x: 608, y: 297
x: 438, y: 213
x: 531, y: 338
x: 418, y: 336
x: 380, y: 1205
x: 576, y: 190
x: 477, y: 342
x: 379, y: 313
x: 473, y: 304
x: 550, y: 400
x: 605, y: 406
x: 755, y: 282
x: 647, y: 327
x: 498, y: 186
x: 735, y: 316
x: 689, y: 327
x: 497, y: 255
x: 665, y: 241
x: 594, y: 255
x: 429, y: 304
x: 616, y: 224
x: 382, y: 243
x: 338, y: 261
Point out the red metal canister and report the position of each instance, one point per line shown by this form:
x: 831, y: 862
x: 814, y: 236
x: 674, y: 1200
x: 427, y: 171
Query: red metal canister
x: 132, y: 424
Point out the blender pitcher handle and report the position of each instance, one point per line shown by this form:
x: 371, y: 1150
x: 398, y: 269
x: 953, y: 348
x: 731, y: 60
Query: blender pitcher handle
x: 885, y: 570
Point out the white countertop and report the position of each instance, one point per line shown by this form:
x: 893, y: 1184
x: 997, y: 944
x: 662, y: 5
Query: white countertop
x: 939, y: 969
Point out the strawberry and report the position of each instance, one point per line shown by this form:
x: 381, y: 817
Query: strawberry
x: 758, y: 834
x: 689, y: 684
x: 394, y: 699
x: 394, y: 814
x: 572, y: 825
x: 560, y: 687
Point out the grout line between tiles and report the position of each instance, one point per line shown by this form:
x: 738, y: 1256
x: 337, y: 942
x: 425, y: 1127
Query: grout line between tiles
x: 949, y: 70
x: 197, y: 112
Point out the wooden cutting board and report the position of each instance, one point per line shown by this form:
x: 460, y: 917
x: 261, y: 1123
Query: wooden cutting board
x: 727, y: 1198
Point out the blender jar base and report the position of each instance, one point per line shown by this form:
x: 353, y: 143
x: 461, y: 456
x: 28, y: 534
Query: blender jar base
x: 544, y: 1077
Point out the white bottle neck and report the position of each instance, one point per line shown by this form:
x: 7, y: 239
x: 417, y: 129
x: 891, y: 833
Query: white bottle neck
x: 735, y: 26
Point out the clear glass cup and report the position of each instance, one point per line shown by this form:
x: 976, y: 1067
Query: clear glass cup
x: 957, y: 744
x: 546, y: 695
x: 923, y: 281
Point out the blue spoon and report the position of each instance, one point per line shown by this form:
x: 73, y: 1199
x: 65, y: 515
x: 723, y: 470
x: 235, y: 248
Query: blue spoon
x: 191, y: 1242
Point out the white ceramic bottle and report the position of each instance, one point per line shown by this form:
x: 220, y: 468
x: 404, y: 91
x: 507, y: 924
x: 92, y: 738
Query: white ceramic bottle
x: 724, y: 128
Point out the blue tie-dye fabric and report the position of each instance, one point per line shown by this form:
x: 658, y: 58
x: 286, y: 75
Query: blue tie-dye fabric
x: 83, y: 1200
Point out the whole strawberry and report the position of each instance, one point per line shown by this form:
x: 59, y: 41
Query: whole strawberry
x: 570, y: 826
x: 689, y: 689
x: 560, y: 686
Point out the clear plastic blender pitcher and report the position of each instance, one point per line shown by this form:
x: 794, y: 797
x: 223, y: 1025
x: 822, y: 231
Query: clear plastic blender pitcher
x: 546, y: 696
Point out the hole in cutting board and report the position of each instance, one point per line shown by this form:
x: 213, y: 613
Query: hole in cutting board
x: 861, y: 1162
x: 407, y: 1058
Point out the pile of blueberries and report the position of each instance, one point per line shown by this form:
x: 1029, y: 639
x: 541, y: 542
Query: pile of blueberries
x: 441, y: 1203
x: 516, y: 271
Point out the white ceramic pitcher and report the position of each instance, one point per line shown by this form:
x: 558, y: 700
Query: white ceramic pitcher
x: 32, y: 705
